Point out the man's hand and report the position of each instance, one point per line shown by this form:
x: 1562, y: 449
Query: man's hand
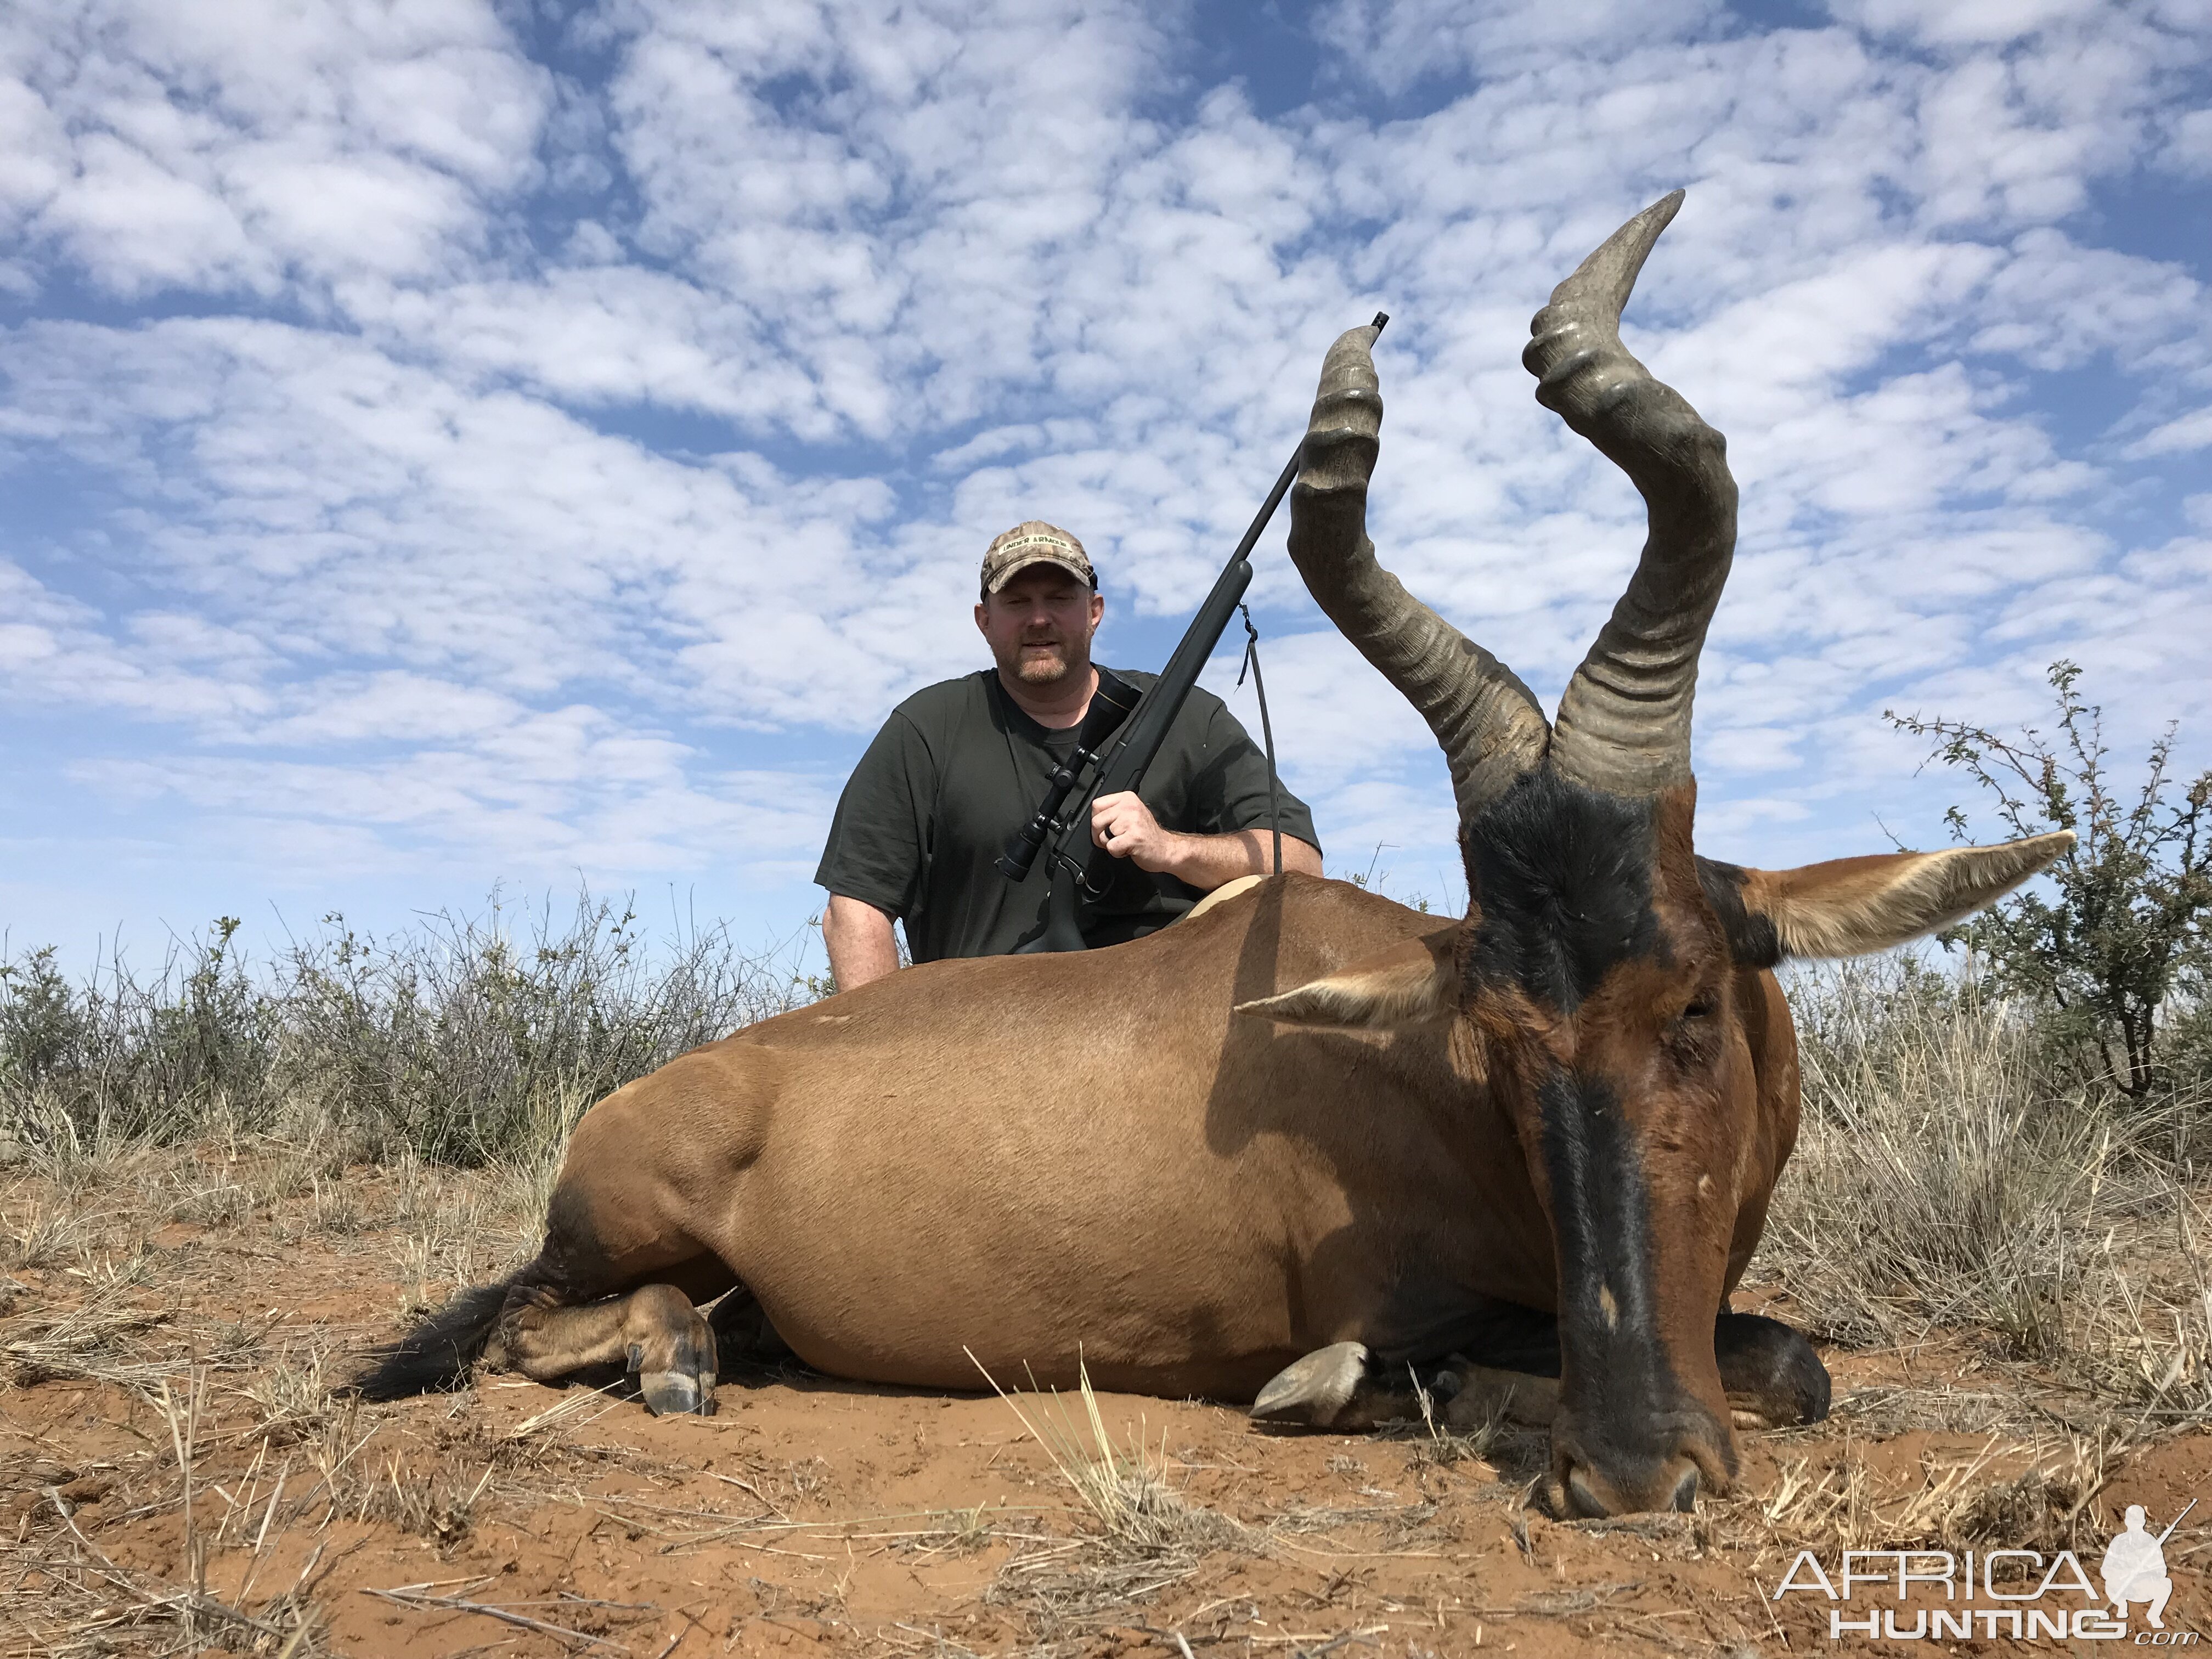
x: 1125, y: 826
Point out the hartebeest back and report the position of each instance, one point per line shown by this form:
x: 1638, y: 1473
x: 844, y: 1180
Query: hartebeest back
x: 1308, y: 1135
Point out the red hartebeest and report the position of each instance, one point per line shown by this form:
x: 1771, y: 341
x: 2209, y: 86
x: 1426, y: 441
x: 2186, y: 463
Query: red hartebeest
x: 1308, y: 1134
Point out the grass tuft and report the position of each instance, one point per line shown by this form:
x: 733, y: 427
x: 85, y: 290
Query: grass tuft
x: 1125, y: 1489
x: 1143, y: 1535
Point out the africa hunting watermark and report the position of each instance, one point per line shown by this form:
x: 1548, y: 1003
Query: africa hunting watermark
x: 2133, y: 1568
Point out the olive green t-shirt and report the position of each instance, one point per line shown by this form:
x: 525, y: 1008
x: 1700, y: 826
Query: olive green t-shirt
x: 958, y: 768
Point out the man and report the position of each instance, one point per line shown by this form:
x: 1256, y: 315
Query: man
x: 959, y: 768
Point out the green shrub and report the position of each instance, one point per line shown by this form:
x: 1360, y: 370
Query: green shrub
x: 2113, y: 951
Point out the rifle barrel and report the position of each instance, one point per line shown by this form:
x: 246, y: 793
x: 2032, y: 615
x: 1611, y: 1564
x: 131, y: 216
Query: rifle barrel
x: 2176, y: 1521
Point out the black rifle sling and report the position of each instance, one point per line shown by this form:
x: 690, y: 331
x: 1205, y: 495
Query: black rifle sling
x: 1267, y: 730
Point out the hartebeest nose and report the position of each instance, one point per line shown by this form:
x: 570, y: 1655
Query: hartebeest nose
x: 1600, y: 1476
x: 1592, y: 1495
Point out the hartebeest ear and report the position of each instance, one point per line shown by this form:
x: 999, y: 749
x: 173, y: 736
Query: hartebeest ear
x: 1406, y: 985
x: 1848, y: 907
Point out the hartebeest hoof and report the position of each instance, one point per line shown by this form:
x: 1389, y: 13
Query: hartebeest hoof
x: 685, y: 1381
x: 674, y: 1393
x: 1315, y: 1389
x: 654, y: 1332
x: 1344, y: 1387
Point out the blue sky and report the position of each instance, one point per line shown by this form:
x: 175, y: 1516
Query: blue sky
x: 447, y: 444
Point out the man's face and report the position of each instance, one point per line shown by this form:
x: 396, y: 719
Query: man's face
x: 1040, y: 624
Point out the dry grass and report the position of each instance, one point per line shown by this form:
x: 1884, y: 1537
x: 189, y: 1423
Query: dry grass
x: 67, y: 1597
x: 1140, y: 1534
x: 48, y: 1234
x: 70, y: 1596
x: 1134, y: 1508
x: 93, y: 1215
x: 460, y: 1040
x: 1942, y: 1181
x: 2042, y: 1495
x: 1441, y: 1445
x: 251, y: 1454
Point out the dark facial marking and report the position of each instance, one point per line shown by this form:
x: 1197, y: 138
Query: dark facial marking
x: 1562, y: 877
x: 1601, y: 1228
x: 1751, y: 939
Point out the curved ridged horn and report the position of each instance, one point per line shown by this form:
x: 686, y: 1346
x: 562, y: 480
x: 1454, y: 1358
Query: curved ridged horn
x: 1491, y: 729
x: 1624, y: 722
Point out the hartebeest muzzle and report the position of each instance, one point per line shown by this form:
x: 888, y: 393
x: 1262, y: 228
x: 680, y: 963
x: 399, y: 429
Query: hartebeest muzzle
x: 1632, y: 1432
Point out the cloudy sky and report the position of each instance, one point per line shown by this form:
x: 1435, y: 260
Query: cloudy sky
x: 445, y: 443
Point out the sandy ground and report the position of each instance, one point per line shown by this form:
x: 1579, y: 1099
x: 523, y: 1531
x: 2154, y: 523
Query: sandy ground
x: 175, y: 1477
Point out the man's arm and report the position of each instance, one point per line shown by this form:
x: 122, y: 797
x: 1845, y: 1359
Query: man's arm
x: 1125, y: 826
x: 873, y: 862
x: 858, y: 939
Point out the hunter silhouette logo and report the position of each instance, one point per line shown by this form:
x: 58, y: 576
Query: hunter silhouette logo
x: 2032, y: 1596
x: 2134, y: 1568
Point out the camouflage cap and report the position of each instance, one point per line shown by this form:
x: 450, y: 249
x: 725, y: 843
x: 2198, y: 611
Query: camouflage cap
x: 1034, y: 542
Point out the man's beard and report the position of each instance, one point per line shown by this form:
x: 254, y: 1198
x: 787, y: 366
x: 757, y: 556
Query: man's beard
x: 1041, y: 671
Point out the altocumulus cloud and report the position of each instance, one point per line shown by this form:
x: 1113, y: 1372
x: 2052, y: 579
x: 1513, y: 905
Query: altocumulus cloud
x: 445, y: 443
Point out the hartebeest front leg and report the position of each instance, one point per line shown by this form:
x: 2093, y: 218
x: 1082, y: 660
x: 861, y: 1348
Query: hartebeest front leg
x: 1772, y: 1377
x: 1345, y: 1387
x: 654, y: 1331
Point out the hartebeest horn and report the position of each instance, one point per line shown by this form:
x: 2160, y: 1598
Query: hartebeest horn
x: 1489, y: 727
x: 1624, y: 722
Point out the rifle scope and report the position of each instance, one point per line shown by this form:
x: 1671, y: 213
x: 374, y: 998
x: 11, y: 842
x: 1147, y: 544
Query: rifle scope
x: 1110, y: 706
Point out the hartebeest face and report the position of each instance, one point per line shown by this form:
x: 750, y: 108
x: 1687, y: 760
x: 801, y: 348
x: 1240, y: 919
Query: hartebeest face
x: 1599, y: 983
x: 1595, y: 981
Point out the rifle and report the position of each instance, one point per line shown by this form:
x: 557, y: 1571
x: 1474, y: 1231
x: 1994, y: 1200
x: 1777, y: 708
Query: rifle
x: 2176, y: 1521
x: 1121, y: 739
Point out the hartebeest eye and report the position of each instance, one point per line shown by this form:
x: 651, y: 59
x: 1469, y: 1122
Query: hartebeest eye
x: 1692, y: 1036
